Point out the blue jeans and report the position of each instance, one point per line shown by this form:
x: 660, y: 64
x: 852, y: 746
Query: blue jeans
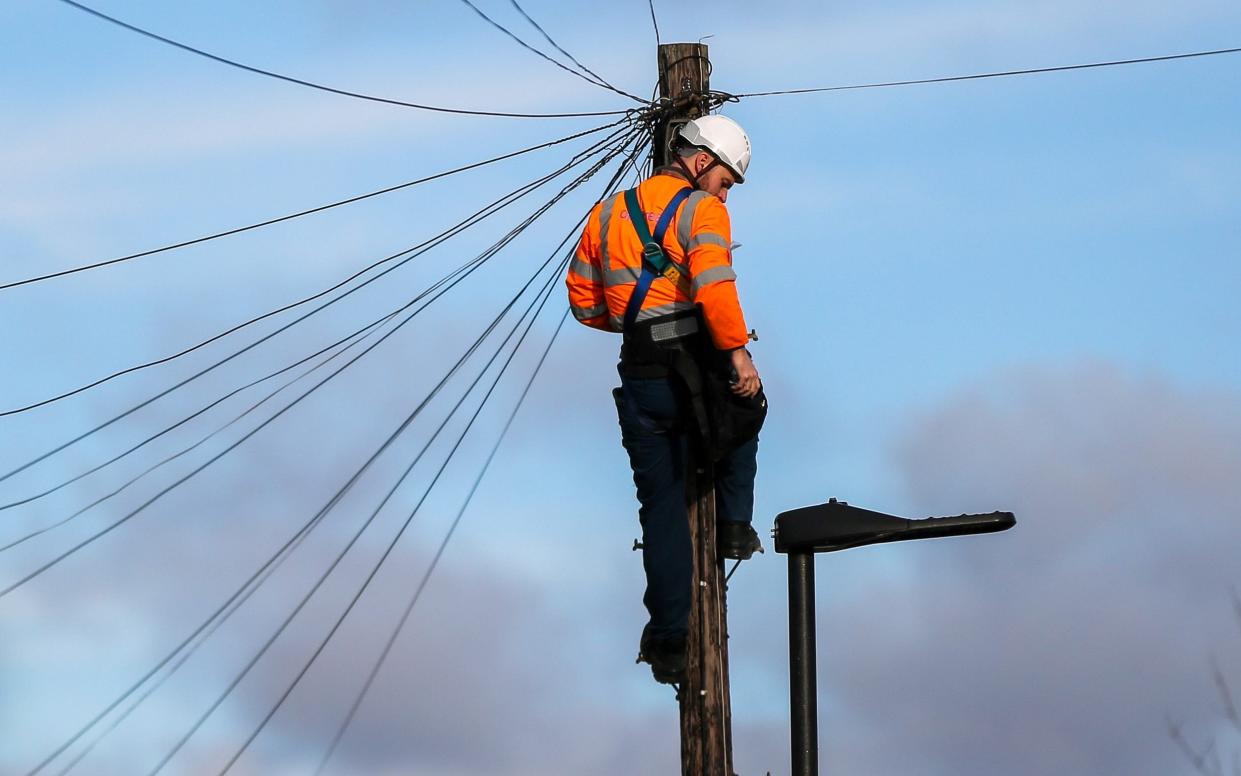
x: 656, y: 424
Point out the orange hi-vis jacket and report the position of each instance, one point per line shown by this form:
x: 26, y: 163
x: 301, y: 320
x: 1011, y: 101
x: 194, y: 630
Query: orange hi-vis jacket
x: 608, y: 262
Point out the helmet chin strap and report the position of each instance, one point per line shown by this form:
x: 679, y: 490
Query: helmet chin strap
x: 693, y: 179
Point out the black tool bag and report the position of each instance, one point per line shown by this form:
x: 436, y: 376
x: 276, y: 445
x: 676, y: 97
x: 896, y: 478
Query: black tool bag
x: 723, y: 421
x: 732, y: 420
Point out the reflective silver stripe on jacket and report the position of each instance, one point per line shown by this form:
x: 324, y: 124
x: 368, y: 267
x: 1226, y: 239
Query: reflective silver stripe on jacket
x: 618, y: 321
x: 685, y: 223
x: 586, y: 313
x: 708, y: 238
x: 664, y: 309
x: 605, y: 221
x: 713, y: 275
x: 587, y: 271
x: 619, y: 275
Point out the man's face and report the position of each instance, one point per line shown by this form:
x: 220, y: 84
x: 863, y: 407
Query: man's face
x: 717, y: 180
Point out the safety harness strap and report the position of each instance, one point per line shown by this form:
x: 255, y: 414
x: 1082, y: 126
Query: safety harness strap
x: 654, y: 260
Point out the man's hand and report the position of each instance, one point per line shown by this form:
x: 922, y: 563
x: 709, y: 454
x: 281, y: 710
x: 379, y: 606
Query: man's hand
x: 747, y: 376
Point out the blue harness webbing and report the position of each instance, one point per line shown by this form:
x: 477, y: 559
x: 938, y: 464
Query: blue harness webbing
x: 654, y: 260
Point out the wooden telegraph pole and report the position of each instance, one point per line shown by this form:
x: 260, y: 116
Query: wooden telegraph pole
x: 706, y: 714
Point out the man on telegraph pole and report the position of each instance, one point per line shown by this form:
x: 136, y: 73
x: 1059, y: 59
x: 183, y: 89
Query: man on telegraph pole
x: 655, y: 264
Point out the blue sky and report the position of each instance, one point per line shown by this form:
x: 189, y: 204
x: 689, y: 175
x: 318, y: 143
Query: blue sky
x: 1014, y: 293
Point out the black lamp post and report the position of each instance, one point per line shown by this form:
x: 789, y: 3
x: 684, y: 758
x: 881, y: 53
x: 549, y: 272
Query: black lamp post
x: 827, y: 528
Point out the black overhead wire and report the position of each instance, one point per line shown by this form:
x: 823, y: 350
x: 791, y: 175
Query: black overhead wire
x: 422, y: 583
x: 362, y: 332
x: 248, y: 592
x: 289, y: 217
x: 999, y: 74
x: 168, y: 429
x: 600, y: 82
x: 654, y: 22
x: 108, y: 529
x: 544, y: 293
x: 439, y: 552
x: 321, y: 87
x: 378, y: 664
x: 463, y: 270
x: 547, y: 289
x: 180, y: 661
x: 233, y: 603
x: 647, y: 168
x: 536, y: 305
x: 357, y: 338
x: 224, y: 610
x: 572, y: 58
x: 460, y: 271
x: 247, y: 589
x: 504, y: 201
x: 487, y: 255
x: 413, y: 252
x: 452, y: 276
x: 275, y: 635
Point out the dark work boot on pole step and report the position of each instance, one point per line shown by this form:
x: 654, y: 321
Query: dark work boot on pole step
x: 737, y: 541
x: 665, y: 656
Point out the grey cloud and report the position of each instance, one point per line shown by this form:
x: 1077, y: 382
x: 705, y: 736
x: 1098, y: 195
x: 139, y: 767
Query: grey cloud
x: 1060, y: 646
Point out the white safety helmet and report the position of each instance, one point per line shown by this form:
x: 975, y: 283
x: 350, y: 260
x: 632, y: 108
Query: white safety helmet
x: 723, y: 138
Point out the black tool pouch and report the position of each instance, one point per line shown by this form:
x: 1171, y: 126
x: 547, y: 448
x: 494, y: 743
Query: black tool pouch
x: 732, y: 420
x: 723, y: 420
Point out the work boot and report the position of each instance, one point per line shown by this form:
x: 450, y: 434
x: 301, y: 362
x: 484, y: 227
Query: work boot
x: 737, y: 541
x: 665, y: 656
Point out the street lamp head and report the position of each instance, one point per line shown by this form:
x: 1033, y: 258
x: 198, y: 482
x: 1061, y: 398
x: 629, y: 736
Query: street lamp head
x: 838, y: 526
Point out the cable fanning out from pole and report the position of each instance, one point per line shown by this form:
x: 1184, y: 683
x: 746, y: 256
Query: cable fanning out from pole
x: 998, y: 74
x: 414, y: 252
x: 573, y: 59
x: 301, y: 213
x: 287, y: 547
x: 600, y: 82
x: 321, y: 87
